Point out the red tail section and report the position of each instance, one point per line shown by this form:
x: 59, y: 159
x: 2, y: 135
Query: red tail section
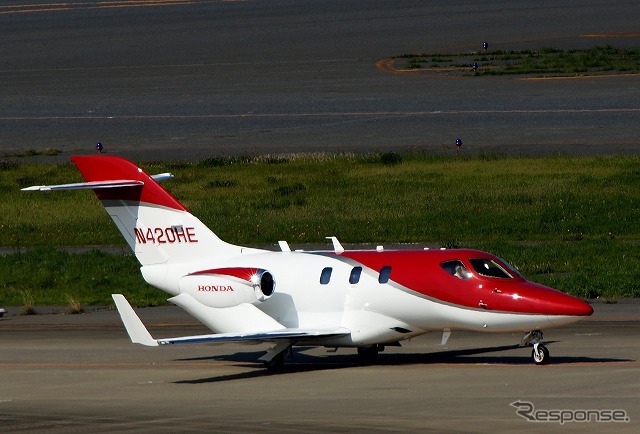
x: 157, y: 227
x: 107, y: 168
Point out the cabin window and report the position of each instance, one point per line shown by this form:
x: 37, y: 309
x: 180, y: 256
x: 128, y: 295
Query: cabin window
x: 489, y: 268
x: 325, y: 276
x: 457, y: 269
x: 354, y: 277
x: 385, y: 274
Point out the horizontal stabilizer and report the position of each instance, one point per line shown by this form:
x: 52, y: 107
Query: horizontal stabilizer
x: 87, y: 185
x: 140, y: 335
x: 137, y: 331
x: 94, y: 185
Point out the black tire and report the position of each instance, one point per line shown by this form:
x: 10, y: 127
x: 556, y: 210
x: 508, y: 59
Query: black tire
x: 277, y: 363
x: 368, y: 354
x: 541, y: 357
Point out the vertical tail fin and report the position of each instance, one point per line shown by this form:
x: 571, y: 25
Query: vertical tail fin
x: 157, y: 227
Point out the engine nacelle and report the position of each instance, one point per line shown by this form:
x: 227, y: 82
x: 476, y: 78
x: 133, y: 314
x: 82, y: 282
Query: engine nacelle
x: 227, y: 287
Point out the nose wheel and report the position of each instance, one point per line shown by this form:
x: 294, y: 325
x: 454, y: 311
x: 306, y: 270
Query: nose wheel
x: 540, y: 353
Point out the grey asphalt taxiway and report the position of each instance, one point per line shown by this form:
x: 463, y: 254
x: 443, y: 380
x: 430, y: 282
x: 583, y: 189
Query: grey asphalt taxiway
x: 170, y: 79
x: 80, y: 373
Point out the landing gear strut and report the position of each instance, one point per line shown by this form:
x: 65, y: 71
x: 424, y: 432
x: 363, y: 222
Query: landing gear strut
x: 540, y: 353
x: 275, y: 357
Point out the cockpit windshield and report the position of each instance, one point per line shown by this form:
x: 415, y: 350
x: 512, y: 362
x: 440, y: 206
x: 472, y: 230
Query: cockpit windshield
x: 490, y: 268
x: 511, y: 269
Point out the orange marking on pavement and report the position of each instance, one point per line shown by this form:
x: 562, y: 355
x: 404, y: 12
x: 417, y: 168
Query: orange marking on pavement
x: 388, y: 65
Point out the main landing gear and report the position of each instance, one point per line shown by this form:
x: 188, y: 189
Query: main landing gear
x: 540, y: 353
x: 275, y: 358
x: 369, y: 354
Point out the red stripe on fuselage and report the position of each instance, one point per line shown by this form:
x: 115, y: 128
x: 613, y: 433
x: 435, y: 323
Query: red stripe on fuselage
x: 242, y: 273
x: 420, y: 271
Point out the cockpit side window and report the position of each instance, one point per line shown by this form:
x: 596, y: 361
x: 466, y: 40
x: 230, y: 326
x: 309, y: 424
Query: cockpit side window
x: 489, y: 268
x: 457, y: 269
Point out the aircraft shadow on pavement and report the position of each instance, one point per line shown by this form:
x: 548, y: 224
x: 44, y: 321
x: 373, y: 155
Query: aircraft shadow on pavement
x: 302, y: 362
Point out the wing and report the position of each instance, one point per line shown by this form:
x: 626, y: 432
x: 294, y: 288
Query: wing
x: 140, y: 335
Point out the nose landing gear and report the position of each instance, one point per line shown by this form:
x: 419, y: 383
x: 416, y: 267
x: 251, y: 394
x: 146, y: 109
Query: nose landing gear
x: 540, y: 353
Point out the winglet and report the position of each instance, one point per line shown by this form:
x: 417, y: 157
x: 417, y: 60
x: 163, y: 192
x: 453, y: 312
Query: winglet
x: 337, y: 247
x: 137, y: 331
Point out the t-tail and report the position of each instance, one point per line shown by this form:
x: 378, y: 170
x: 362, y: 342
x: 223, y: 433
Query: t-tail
x: 157, y: 227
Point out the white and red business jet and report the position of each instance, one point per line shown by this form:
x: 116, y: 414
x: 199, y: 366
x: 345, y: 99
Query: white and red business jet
x: 338, y: 298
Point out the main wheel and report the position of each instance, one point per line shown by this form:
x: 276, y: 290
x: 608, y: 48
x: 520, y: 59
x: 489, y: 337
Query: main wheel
x: 277, y: 363
x: 540, y: 354
x: 368, y: 354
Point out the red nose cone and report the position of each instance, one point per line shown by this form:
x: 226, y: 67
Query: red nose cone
x: 575, y: 307
x: 559, y: 303
x: 534, y: 298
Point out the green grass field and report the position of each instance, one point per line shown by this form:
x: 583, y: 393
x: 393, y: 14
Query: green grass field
x: 569, y: 222
x: 544, y: 62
